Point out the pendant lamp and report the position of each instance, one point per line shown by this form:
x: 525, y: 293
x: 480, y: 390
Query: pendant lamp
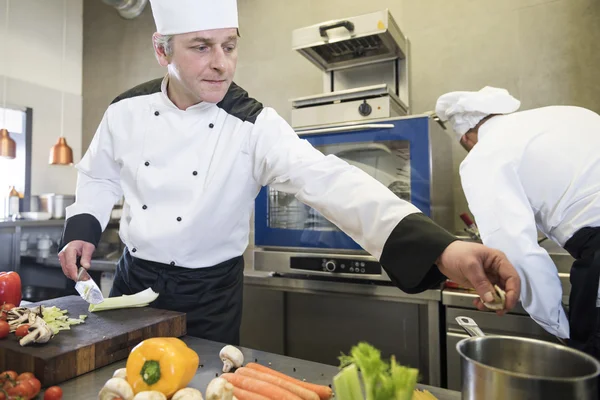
x: 61, y: 153
x: 8, y: 147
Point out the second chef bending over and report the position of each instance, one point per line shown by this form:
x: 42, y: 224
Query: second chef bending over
x: 191, y: 151
x: 531, y: 169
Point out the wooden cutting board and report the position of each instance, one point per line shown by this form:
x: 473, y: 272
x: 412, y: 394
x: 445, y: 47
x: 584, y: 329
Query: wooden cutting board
x: 104, y: 338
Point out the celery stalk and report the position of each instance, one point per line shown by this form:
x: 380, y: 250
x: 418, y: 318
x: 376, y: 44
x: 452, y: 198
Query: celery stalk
x: 347, y: 384
x: 140, y: 299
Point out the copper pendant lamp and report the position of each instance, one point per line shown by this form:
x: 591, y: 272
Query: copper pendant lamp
x: 8, y: 147
x: 61, y: 153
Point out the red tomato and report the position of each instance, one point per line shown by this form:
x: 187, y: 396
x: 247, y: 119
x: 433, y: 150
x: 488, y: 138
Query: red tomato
x: 10, y: 375
x: 23, y: 330
x: 22, y: 389
x: 53, y: 393
x: 8, y: 306
x: 25, y: 376
x: 4, y: 329
x: 10, y: 288
x: 36, y: 385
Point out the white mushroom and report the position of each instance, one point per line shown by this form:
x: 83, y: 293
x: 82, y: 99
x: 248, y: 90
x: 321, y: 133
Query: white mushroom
x: 39, y: 332
x: 499, y: 300
x: 150, y: 395
x: 120, y: 373
x: 232, y: 357
x: 187, y: 394
x: 219, y: 389
x: 116, y: 388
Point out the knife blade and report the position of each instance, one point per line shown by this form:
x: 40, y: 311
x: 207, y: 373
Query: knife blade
x: 86, y: 287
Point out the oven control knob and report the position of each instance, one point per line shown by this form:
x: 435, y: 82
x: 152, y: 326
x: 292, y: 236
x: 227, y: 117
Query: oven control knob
x: 365, y: 109
x: 330, y: 266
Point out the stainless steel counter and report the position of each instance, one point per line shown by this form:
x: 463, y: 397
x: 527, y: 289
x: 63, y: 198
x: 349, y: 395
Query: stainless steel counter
x: 87, y: 386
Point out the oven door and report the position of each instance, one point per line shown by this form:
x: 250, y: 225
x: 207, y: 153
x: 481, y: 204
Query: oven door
x: 395, y: 152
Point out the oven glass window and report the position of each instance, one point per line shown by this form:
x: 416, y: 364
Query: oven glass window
x: 386, y: 161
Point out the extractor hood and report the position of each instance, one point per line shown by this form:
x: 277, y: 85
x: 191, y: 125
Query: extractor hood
x: 348, y: 42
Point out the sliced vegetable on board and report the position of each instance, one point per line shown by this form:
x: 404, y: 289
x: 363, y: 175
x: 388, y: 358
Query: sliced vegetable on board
x: 140, y: 299
x: 58, y: 320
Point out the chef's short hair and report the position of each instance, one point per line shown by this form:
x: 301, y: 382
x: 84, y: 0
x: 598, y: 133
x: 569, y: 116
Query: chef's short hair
x: 166, y: 43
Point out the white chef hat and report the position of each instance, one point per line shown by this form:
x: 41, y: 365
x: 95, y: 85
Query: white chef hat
x: 464, y: 110
x: 182, y: 16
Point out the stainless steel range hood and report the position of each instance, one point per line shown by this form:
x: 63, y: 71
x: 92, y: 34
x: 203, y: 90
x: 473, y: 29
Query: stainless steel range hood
x: 365, y: 64
x: 349, y: 42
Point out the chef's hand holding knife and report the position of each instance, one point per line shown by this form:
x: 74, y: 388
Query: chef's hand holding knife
x: 69, y: 254
x: 480, y: 267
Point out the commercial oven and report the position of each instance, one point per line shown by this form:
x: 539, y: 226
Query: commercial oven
x: 363, y: 117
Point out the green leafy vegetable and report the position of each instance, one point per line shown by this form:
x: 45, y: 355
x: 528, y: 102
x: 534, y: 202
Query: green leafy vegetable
x: 381, y: 380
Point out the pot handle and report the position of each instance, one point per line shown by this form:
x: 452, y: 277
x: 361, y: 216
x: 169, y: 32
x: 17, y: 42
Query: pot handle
x: 470, y: 326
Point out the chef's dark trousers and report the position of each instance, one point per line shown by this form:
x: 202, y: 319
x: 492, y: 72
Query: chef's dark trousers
x: 584, y: 316
x: 211, y: 297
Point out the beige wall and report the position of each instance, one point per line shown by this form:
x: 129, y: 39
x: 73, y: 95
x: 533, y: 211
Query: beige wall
x: 30, y: 58
x: 543, y: 51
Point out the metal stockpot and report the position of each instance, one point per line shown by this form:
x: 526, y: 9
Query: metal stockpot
x: 507, y: 367
x: 56, y: 204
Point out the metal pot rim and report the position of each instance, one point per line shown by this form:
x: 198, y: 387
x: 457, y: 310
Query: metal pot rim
x: 460, y: 344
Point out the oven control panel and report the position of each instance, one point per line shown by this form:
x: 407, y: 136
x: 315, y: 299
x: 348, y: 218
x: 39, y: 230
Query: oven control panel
x: 335, y: 265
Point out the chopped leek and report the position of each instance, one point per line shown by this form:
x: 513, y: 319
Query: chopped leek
x: 382, y: 381
x: 140, y: 299
x: 57, y: 319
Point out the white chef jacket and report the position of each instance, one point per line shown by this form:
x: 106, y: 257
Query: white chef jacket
x: 190, y: 178
x: 537, y: 168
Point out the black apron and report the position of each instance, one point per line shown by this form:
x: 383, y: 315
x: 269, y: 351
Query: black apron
x: 211, y: 297
x: 584, y: 318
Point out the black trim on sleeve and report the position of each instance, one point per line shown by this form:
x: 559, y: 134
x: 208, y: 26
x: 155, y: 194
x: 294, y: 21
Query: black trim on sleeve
x: 81, y: 227
x: 410, y: 253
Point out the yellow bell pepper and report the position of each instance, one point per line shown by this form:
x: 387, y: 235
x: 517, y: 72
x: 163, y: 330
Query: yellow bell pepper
x: 162, y: 364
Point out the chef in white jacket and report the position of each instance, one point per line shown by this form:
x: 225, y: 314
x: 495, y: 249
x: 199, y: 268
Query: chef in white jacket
x: 530, y: 170
x: 190, y: 152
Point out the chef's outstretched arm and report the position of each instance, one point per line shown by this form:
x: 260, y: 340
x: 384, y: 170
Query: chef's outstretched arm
x: 415, y: 252
x: 98, y: 189
x: 506, y: 222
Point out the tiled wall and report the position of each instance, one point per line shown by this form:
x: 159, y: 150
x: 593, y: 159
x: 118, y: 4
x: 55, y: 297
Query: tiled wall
x: 543, y: 51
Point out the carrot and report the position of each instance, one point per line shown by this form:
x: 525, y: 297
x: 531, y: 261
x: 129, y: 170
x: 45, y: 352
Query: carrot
x: 282, y: 383
x: 242, y: 394
x: 324, y: 392
x: 266, y: 389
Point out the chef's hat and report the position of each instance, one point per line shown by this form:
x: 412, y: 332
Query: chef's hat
x: 183, y: 16
x: 464, y: 110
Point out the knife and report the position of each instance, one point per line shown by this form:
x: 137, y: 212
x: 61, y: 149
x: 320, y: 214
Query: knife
x: 86, y: 287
